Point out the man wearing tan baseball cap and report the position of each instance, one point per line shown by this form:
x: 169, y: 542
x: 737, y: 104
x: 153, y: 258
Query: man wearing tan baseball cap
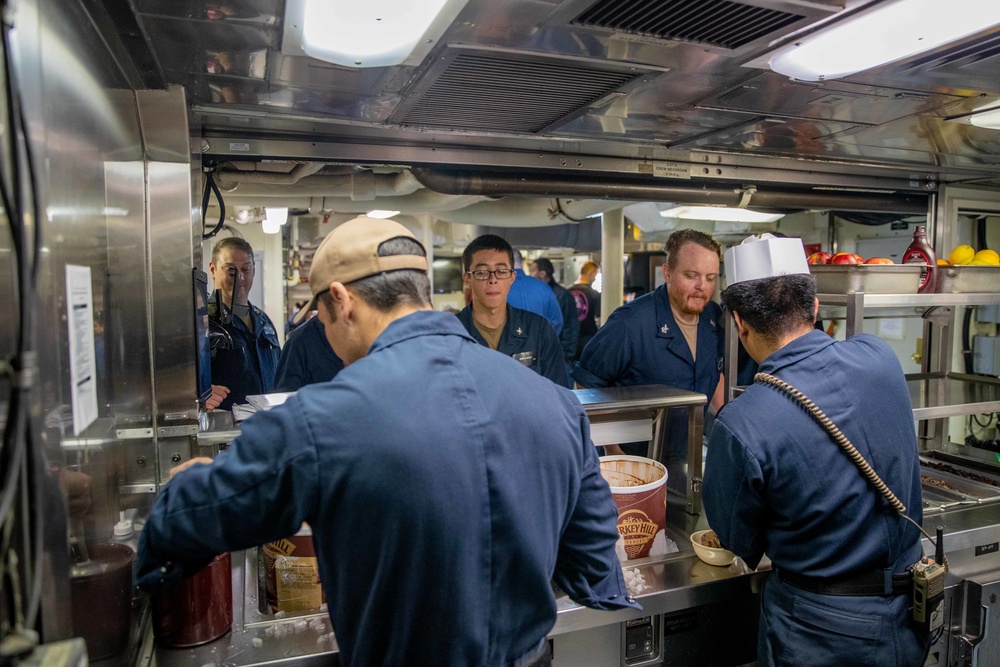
x: 429, y: 458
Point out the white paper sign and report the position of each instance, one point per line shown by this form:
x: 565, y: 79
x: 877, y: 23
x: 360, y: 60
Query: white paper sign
x: 82, y: 365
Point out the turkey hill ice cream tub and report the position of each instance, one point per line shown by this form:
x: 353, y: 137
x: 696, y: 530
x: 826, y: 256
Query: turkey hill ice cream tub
x: 639, y: 488
x: 291, y: 573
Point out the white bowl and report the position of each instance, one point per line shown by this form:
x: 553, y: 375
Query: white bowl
x: 720, y: 557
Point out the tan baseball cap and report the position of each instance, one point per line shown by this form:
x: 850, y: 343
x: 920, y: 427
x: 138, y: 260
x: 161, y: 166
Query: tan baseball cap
x: 350, y: 252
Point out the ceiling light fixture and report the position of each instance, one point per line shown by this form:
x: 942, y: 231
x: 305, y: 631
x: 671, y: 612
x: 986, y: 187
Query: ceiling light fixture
x: 987, y: 116
x: 379, y: 213
x: 889, y: 32
x: 372, y: 33
x: 274, y: 218
x: 720, y: 214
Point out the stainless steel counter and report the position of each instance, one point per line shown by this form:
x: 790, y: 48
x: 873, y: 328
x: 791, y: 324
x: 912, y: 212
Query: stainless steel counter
x: 677, y: 581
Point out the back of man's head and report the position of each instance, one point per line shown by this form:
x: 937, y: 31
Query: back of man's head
x: 230, y: 242
x: 589, y: 269
x: 486, y: 242
x: 678, y: 239
x: 545, y: 264
x: 379, y: 260
x: 774, y: 307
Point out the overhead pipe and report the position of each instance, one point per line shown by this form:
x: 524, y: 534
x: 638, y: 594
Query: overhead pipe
x: 533, y: 184
x: 228, y: 179
x: 364, y: 185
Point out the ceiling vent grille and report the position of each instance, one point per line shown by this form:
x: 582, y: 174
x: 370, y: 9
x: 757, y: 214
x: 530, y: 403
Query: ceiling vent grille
x: 721, y: 23
x: 509, y: 92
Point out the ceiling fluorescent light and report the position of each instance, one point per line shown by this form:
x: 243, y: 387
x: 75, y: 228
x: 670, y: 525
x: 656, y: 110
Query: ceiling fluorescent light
x: 378, y: 213
x: 719, y: 213
x: 889, y: 32
x: 987, y: 116
x: 370, y: 33
x: 270, y: 226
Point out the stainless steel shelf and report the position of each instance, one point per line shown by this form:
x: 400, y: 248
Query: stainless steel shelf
x: 616, y: 400
x: 940, y: 395
x: 909, y: 300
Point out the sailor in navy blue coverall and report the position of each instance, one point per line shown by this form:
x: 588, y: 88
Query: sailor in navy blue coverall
x: 776, y: 482
x: 644, y: 343
x: 488, y: 318
x: 437, y: 538
x: 248, y: 367
x: 306, y: 358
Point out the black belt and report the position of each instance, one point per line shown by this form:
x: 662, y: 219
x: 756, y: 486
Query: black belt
x: 874, y: 582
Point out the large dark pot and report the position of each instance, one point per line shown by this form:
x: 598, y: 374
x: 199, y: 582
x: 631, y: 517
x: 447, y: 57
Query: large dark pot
x: 198, y: 609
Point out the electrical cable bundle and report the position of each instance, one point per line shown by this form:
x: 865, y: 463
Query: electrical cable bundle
x: 21, y: 459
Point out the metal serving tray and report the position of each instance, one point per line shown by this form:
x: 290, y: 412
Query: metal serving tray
x: 968, y: 279
x: 867, y: 278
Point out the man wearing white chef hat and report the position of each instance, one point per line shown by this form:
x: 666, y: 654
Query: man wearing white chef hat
x: 776, y: 481
x: 446, y: 485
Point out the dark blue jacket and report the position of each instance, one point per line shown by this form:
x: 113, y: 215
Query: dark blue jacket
x: 306, y: 358
x: 249, y: 367
x: 437, y: 538
x: 776, y: 482
x: 528, y: 335
x: 531, y: 294
x: 641, y: 344
x: 570, y: 334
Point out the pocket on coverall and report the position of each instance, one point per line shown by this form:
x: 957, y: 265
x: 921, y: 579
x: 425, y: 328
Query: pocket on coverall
x: 818, y: 634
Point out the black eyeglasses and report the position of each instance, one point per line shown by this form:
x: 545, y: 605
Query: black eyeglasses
x: 483, y: 274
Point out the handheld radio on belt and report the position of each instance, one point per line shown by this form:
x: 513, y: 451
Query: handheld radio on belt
x: 928, y: 573
x: 928, y: 587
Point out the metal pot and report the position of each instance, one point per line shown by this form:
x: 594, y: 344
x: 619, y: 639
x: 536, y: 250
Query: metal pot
x: 198, y: 609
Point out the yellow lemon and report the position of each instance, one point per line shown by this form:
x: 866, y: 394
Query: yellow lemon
x: 943, y: 262
x: 962, y: 254
x: 987, y: 257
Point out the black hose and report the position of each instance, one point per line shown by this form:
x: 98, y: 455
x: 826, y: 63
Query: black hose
x: 212, y: 187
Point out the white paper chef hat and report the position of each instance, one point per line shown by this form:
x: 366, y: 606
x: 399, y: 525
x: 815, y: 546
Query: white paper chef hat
x: 765, y: 257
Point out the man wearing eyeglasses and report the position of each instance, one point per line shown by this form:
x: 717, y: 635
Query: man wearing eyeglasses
x: 488, y: 263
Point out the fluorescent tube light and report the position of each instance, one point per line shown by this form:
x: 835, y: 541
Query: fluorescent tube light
x: 889, y: 32
x: 270, y: 226
x: 378, y: 213
x: 987, y: 116
x: 370, y: 33
x: 720, y: 213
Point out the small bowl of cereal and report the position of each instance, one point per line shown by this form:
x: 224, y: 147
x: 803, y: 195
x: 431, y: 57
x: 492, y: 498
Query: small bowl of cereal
x: 707, y: 547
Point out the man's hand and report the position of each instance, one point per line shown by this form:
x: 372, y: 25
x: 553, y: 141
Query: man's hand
x: 187, y: 464
x: 219, y: 394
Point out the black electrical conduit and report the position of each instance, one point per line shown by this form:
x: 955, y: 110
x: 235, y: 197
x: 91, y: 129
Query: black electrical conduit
x: 534, y: 184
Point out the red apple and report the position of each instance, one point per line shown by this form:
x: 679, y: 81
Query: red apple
x: 861, y: 260
x: 819, y: 258
x: 844, y: 258
x: 879, y: 260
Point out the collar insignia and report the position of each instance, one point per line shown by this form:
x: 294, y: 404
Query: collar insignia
x: 712, y: 322
x: 519, y: 331
x: 664, y: 329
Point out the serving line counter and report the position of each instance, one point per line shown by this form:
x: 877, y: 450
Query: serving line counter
x: 682, y: 595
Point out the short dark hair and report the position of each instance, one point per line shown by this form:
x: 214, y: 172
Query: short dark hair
x: 388, y: 290
x: 486, y: 242
x: 545, y: 264
x: 677, y: 240
x: 774, y: 306
x: 234, y: 242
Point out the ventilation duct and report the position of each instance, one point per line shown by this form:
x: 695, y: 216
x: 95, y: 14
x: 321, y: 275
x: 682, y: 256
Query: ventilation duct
x: 720, y: 23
